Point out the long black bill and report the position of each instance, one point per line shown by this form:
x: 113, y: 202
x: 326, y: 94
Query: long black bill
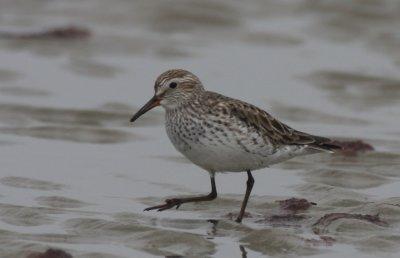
x: 153, y: 102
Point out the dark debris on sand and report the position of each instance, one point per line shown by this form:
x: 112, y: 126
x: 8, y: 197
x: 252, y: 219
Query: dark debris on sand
x: 322, y: 241
x: 50, y: 253
x: 320, y: 226
x: 294, y: 205
x: 57, y: 33
x: 289, y: 209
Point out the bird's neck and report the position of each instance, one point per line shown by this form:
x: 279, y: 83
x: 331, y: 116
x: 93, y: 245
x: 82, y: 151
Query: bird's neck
x: 191, y: 100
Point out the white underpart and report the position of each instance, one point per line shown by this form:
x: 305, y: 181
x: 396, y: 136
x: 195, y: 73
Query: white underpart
x: 218, y: 152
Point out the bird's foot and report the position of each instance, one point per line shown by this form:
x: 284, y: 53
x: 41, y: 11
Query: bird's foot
x: 238, y: 220
x: 169, y: 203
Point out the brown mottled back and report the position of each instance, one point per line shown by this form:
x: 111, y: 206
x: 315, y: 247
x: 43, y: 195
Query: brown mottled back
x: 277, y: 132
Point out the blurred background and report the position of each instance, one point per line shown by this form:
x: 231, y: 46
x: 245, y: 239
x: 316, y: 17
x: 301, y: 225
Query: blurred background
x: 75, y: 176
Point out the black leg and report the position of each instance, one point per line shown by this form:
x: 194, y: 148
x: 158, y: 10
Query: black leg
x: 170, y: 203
x: 250, y: 183
x: 243, y: 251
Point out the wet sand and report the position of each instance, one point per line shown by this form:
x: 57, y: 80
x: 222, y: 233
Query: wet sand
x: 76, y: 176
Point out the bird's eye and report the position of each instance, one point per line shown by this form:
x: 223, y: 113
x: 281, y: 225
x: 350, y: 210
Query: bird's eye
x: 173, y: 85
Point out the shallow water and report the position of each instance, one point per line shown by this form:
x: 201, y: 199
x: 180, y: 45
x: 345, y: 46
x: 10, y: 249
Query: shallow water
x: 76, y: 176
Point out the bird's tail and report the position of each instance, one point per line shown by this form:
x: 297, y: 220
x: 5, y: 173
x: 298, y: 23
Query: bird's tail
x: 324, y: 144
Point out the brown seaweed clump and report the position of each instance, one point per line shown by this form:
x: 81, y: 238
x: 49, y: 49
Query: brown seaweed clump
x: 353, y: 147
x: 290, y: 209
x: 50, y: 253
x: 294, y: 205
x: 57, y: 33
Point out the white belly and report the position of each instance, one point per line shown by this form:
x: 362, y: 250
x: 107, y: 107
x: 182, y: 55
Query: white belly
x: 223, y: 155
x: 222, y: 159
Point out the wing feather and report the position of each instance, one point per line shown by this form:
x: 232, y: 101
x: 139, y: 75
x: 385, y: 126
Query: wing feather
x: 275, y: 132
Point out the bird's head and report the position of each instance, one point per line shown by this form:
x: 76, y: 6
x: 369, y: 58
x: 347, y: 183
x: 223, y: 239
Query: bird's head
x: 172, y: 89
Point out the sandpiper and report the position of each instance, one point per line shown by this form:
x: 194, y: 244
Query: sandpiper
x: 221, y: 134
